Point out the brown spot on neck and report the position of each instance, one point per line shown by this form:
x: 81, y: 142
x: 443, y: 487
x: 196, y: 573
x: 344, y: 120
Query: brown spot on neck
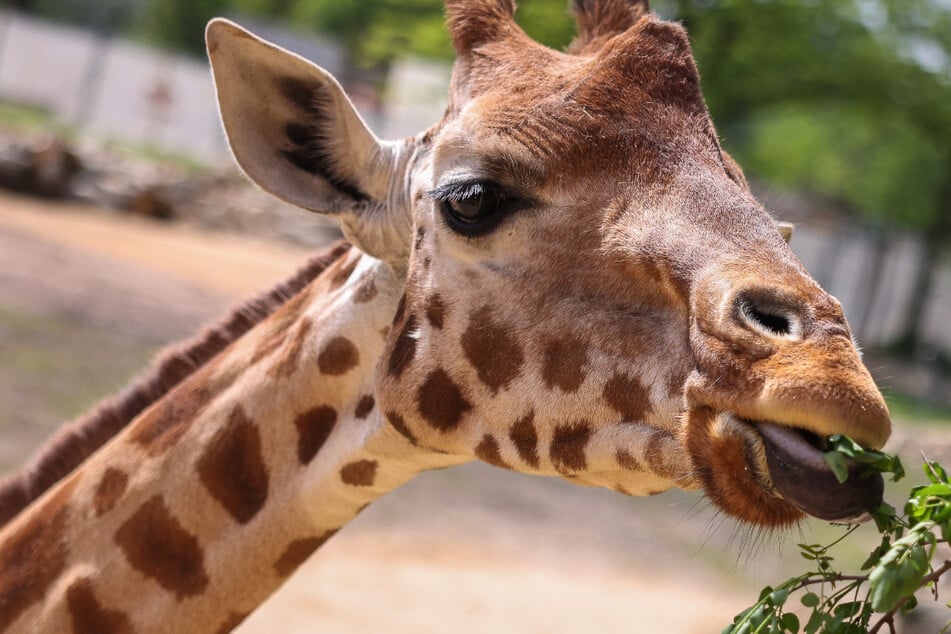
x: 110, y: 489
x: 568, y: 446
x: 161, y: 427
x: 400, y: 310
x: 492, y: 351
x: 88, y: 615
x: 338, y: 357
x: 525, y: 437
x: 627, y: 460
x: 313, y: 429
x: 489, y: 451
x: 361, y: 473
x: 287, y: 363
x: 298, y: 551
x: 269, y: 345
x: 155, y: 543
x: 436, y: 311
x: 657, y: 453
x: 343, y: 273
x: 364, y: 407
x: 675, y: 383
x: 232, y: 468
x: 34, y: 554
x: 399, y: 424
x: 366, y: 292
x: 232, y: 621
x: 404, y: 348
x: 441, y: 402
x: 628, y: 397
x: 564, y: 364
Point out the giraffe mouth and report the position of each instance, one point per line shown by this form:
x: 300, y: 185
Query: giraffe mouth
x: 798, y: 471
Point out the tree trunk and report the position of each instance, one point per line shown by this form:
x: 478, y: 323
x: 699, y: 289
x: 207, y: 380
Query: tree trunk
x: 880, y: 246
x: 935, y: 240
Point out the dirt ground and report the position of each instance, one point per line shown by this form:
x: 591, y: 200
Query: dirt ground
x: 87, y: 297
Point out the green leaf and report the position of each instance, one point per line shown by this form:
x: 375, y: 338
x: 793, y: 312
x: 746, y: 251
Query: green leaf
x: 779, y: 596
x: 877, y: 554
x: 790, y: 622
x: 897, y: 576
x: 935, y: 472
x: 909, y: 605
x: 848, y: 610
x: 810, y: 599
x: 885, y: 517
x: 939, y: 490
x: 815, y: 621
x: 837, y: 463
x: 840, y: 447
x: 845, y: 445
x: 898, y: 470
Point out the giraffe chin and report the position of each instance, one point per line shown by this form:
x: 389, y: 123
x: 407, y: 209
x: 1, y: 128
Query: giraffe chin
x: 730, y: 459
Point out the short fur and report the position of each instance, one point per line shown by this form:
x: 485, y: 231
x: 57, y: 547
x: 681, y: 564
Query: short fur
x: 600, y: 21
x: 474, y: 24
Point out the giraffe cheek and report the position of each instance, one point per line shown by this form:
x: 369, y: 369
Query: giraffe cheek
x: 725, y: 459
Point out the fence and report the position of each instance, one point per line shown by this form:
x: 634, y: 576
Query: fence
x: 118, y: 89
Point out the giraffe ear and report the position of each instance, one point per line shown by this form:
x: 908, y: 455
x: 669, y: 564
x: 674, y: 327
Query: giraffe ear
x: 473, y: 23
x: 600, y: 20
x: 785, y: 230
x: 295, y: 133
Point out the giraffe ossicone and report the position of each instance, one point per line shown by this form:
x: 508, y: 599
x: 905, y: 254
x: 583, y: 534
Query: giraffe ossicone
x: 567, y: 276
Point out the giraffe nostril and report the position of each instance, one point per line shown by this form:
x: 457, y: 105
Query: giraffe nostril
x: 774, y: 322
x: 768, y: 314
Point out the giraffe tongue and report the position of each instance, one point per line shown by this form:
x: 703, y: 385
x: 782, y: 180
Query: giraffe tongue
x: 802, y: 476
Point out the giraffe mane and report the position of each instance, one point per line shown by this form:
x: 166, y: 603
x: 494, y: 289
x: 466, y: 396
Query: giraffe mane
x: 79, y: 438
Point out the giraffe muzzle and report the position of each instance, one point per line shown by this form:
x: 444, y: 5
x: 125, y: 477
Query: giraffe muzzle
x: 800, y: 473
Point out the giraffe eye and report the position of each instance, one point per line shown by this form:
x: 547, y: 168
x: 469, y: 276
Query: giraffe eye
x: 472, y: 209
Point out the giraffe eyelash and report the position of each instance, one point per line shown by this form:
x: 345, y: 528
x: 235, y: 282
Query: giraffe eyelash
x: 455, y: 192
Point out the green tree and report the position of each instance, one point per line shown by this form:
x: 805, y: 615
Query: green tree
x: 105, y: 16
x: 376, y: 31
x: 179, y: 24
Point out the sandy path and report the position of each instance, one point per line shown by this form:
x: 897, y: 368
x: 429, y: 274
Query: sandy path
x: 231, y: 265
x: 362, y: 585
x: 471, y: 549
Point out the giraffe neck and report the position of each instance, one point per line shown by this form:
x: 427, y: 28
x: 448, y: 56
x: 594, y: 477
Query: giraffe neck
x: 207, y: 502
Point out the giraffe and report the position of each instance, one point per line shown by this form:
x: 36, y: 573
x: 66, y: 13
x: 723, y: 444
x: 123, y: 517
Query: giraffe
x: 565, y: 276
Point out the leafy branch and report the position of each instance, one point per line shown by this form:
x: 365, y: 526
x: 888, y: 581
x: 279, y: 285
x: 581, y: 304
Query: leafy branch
x: 903, y: 563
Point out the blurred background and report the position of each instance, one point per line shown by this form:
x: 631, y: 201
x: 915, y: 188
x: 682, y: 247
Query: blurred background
x: 124, y: 226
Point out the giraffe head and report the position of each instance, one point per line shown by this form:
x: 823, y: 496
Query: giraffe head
x: 589, y: 288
